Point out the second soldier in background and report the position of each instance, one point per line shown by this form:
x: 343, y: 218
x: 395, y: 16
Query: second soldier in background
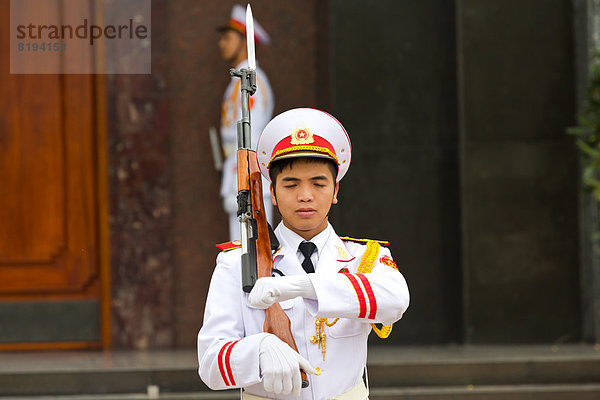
x: 232, y: 45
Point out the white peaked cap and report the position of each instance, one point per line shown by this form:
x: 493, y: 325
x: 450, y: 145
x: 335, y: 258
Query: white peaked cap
x: 237, y: 22
x: 304, y: 132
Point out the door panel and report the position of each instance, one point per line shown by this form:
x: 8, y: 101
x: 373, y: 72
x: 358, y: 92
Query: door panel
x: 49, y: 205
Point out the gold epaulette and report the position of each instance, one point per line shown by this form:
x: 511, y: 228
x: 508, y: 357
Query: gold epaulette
x: 235, y: 244
x: 364, y: 241
x: 366, y: 265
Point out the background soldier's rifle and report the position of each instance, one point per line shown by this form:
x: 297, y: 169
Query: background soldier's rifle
x: 216, y: 148
x: 257, y: 256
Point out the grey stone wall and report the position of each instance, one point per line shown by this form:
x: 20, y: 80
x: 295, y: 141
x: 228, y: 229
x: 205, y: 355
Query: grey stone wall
x: 457, y: 112
x: 394, y: 89
x: 518, y: 173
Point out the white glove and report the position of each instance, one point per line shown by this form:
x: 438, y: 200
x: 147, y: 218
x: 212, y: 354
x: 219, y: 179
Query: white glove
x: 280, y: 366
x: 270, y: 290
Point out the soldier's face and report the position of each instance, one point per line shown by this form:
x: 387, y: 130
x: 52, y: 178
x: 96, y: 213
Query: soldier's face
x: 230, y: 45
x: 304, y: 193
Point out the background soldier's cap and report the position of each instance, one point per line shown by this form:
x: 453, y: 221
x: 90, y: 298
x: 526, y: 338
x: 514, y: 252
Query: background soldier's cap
x: 304, y: 132
x: 237, y: 22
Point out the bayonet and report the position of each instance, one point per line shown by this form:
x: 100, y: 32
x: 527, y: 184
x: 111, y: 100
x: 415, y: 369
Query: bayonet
x: 250, y: 38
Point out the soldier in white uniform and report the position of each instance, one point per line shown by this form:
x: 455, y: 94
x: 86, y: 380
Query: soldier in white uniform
x: 333, y: 289
x: 232, y: 45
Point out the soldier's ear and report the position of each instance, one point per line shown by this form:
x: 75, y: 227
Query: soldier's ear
x: 273, y: 197
x: 335, y: 192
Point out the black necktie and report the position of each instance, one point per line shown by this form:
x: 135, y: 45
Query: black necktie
x: 307, y: 248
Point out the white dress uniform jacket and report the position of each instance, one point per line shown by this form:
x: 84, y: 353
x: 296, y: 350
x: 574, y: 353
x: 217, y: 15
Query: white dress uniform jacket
x: 228, y: 343
x: 261, y: 104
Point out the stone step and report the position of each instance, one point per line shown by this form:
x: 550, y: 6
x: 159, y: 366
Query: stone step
x: 504, y: 392
x: 483, y: 365
x: 205, y: 395
x: 407, y: 368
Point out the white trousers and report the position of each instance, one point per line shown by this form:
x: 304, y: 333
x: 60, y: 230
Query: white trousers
x: 358, y: 392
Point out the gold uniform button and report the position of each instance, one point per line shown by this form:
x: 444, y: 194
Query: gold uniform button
x: 317, y: 371
x: 313, y: 339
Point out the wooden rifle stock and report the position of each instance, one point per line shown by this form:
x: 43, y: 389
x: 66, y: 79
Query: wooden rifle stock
x: 276, y: 320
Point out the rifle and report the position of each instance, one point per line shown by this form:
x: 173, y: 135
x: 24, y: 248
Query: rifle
x: 257, y: 256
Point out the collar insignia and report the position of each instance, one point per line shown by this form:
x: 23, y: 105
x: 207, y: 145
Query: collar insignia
x: 342, y: 253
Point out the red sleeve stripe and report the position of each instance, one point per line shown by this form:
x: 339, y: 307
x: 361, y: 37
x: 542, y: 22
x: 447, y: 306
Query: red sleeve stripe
x: 228, y: 363
x: 221, y: 367
x: 372, y: 300
x: 359, y: 293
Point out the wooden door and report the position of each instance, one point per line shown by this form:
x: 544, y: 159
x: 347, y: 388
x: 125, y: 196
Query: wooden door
x: 53, y: 220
